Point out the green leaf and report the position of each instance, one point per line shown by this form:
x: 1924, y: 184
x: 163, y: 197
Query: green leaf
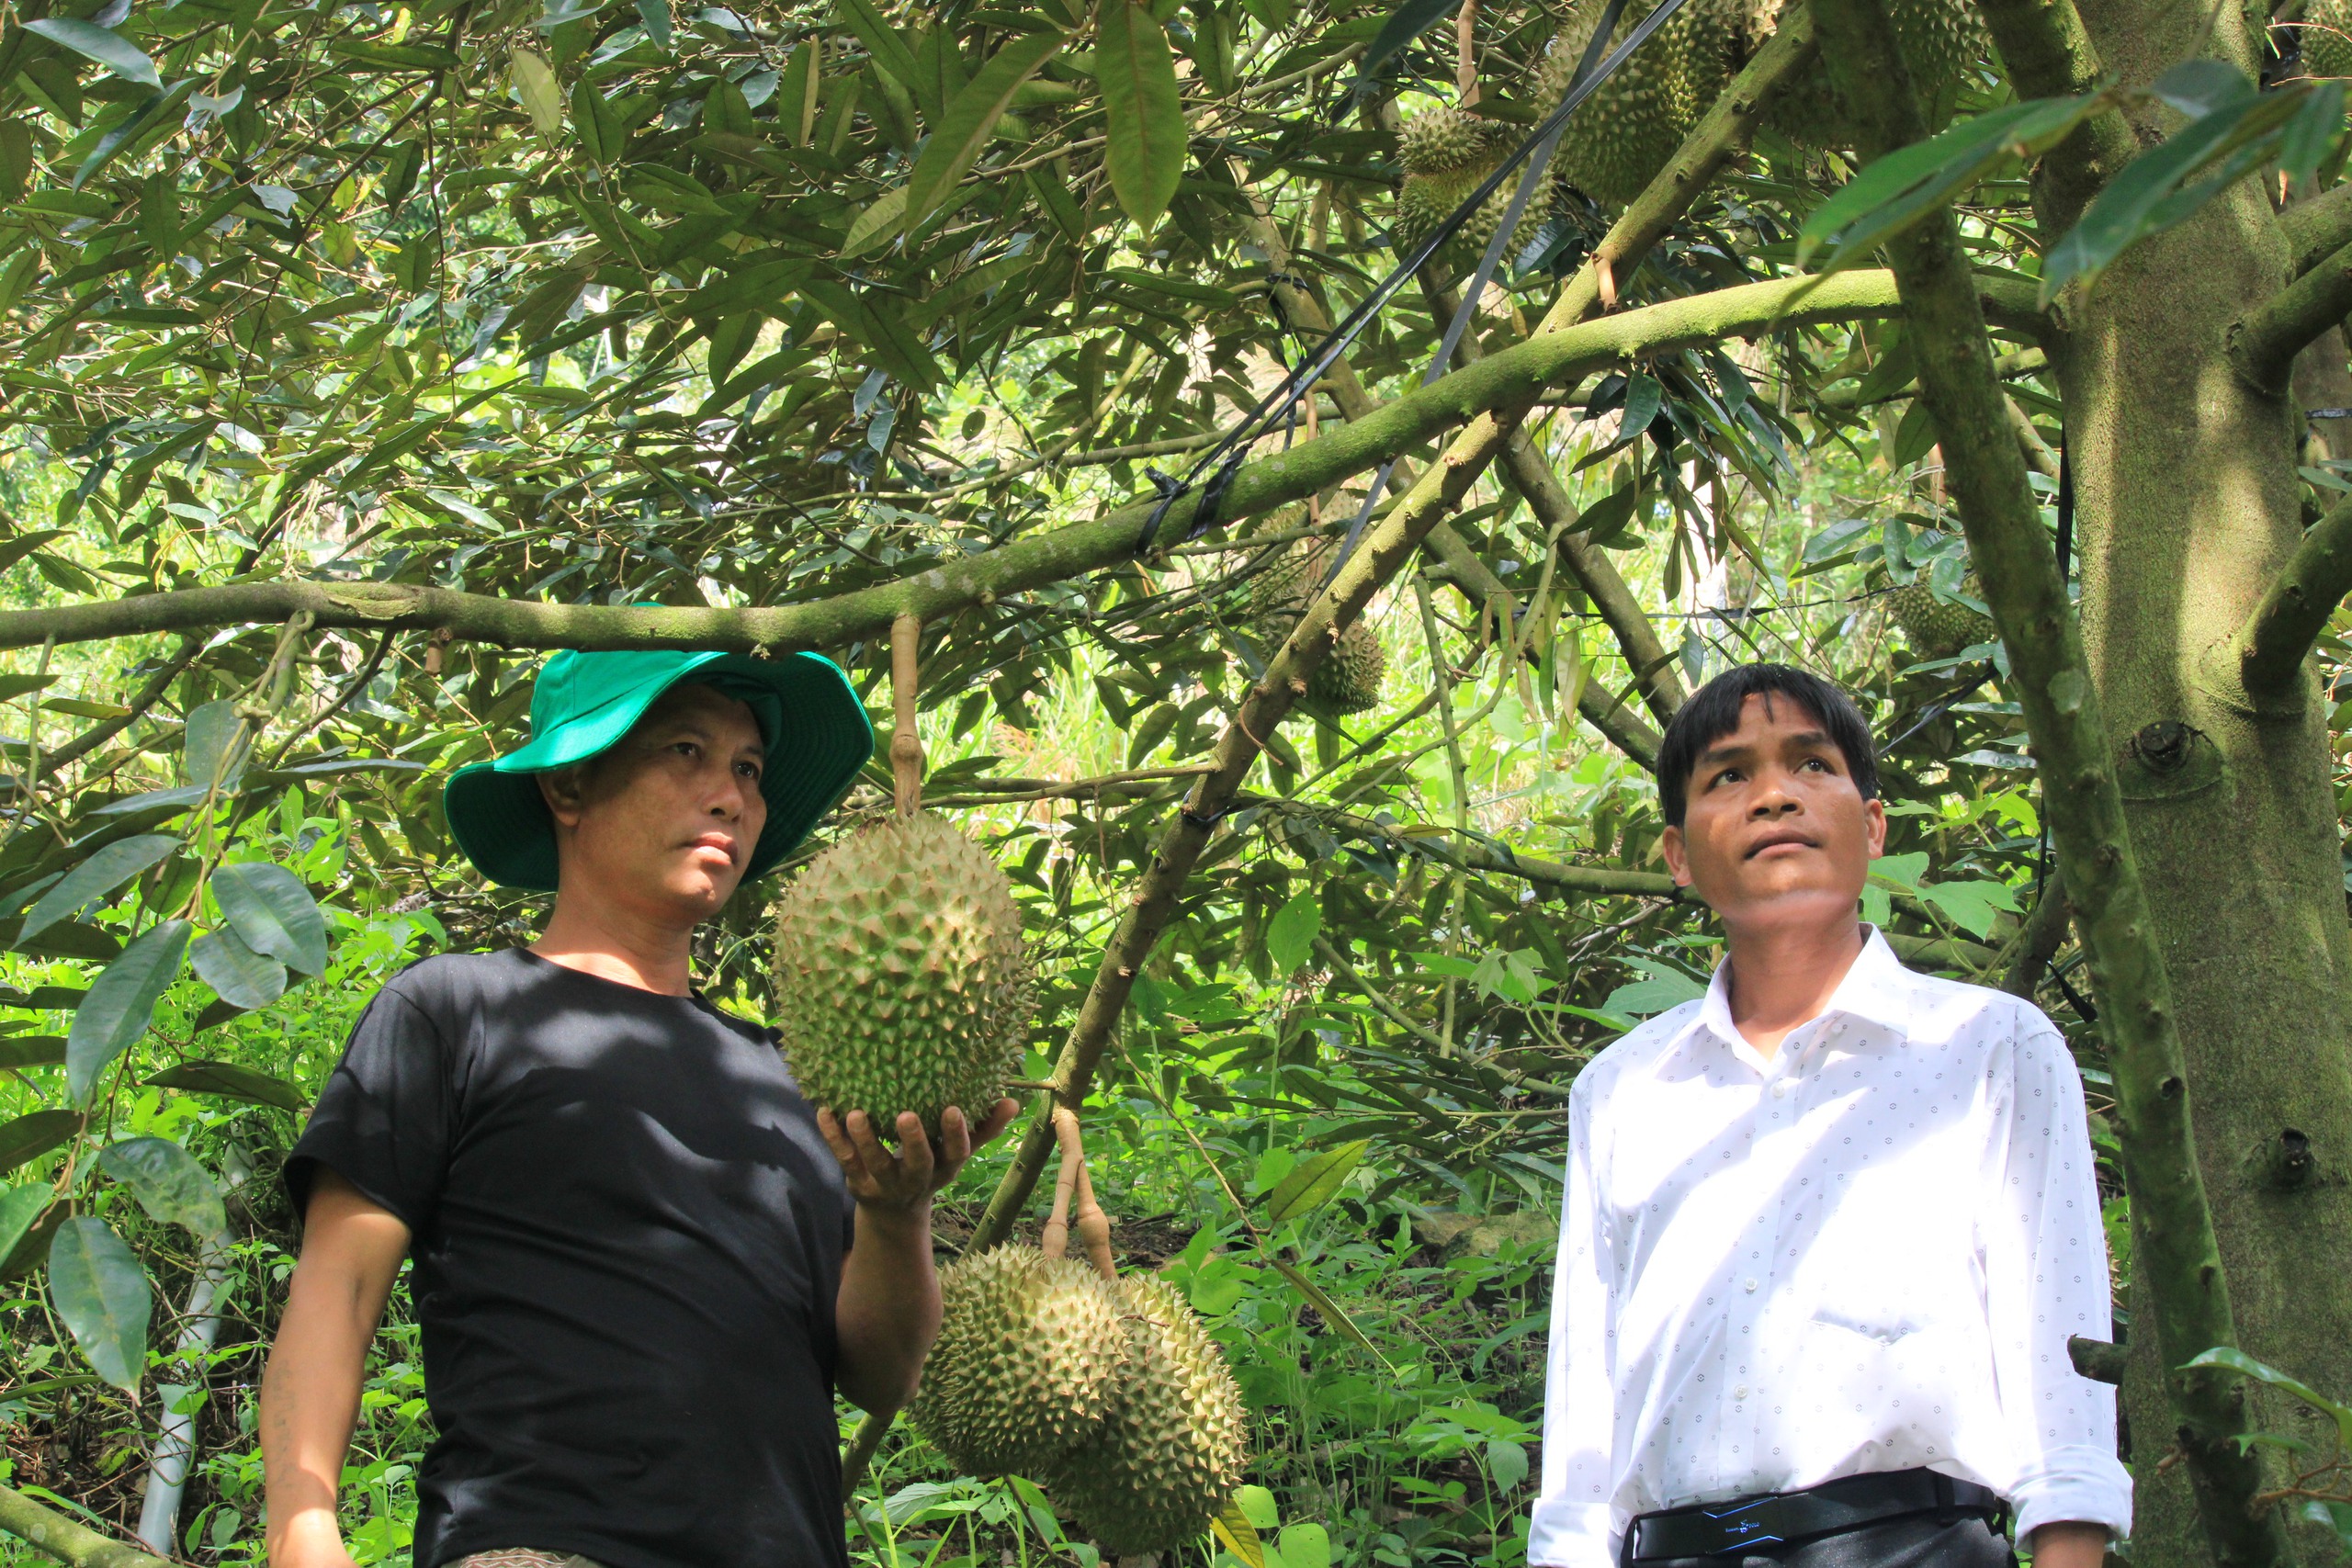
x: 1663, y: 989
x: 230, y: 1080
x: 881, y: 40
x: 274, y: 913
x: 33, y: 1134
x: 2238, y: 132
x: 32, y: 1051
x: 1305, y: 1545
x: 107, y: 46
x: 1326, y: 1308
x: 1232, y: 1527
x: 535, y: 84
x: 1972, y: 905
x: 169, y: 1184
x: 1290, y: 935
x: 655, y: 14
x: 884, y: 217
x: 1258, y: 1506
x: 240, y: 975
x: 21, y: 1209
x: 2232, y: 1359
x: 104, y: 872
x: 1505, y: 1462
x: 1315, y: 1183
x: 1143, y: 110
x: 969, y: 121
x: 120, y: 1005
x: 1899, y: 190
x: 1406, y: 23
x: 217, y: 742
x: 99, y: 1288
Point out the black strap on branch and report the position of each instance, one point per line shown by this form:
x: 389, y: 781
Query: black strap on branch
x: 1226, y: 456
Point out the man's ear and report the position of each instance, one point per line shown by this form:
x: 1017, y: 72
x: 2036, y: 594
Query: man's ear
x: 1875, y: 826
x: 1678, y: 861
x: 560, y: 788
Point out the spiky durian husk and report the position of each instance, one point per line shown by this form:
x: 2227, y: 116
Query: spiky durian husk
x: 1447, y: 153
x: 900, y: 977
x: 1021, y: 1372
x: 1937, y: 628
x: 2326, y: 38
x: 1941, y: 41
x: 1170, y: 1451
x: 1627, y: 130
x: 1348, y: 678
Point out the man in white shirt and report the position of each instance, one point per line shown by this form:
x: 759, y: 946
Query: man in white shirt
x: 1829, y: 1229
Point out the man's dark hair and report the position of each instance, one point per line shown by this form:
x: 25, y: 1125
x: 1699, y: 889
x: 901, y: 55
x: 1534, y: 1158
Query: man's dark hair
x: 1713, y: 713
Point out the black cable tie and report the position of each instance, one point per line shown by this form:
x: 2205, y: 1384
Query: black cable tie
x: 1213, y: 495
x: 1170, y: 488
x: 1206, y: 823
x: 2327, y: 413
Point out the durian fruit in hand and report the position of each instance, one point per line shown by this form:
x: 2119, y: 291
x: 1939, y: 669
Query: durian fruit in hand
x: 1626, y: 130
x: 1023, y: 1369
x: 900, y: 980
x: 1939, y: 628
x: 1348, y: 678
x: 1447, y: 152
x: 1170, y: 1453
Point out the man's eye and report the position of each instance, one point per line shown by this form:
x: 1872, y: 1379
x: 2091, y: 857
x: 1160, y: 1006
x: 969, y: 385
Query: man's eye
x: 748, y: 770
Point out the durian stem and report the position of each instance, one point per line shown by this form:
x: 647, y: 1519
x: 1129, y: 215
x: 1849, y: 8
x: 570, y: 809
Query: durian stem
x: 906, y: 746
x: 1056, y: 1241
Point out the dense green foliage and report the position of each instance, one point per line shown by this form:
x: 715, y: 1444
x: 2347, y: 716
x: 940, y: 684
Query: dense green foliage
x: 580, y: 302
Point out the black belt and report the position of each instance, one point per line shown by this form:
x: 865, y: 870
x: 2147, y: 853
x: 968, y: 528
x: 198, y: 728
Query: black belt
x: 1791, y: 1518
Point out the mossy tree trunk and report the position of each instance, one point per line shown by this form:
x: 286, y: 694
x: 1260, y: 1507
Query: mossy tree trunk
x: 2188, y: 507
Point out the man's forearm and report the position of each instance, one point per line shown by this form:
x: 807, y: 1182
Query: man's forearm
x: 887, y: 1311
x: 2069, y: 1546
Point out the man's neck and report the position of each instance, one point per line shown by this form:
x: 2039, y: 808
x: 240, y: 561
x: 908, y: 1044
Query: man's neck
x: 615, y: 944
x: 1782, y: 974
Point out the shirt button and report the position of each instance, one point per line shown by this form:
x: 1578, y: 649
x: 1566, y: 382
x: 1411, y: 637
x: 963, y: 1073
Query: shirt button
x: 1740, y: 1392
x: 1781, y: 1089
x: 1749, y: 1284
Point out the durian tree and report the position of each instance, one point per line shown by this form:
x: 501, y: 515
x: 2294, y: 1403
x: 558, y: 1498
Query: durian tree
x: 1988, y: 357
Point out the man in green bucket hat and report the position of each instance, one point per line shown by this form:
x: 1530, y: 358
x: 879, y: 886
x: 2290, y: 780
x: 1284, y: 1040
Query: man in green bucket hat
x: 642, y: 1262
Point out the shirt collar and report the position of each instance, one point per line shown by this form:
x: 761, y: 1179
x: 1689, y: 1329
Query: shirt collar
x: 1876, y: 989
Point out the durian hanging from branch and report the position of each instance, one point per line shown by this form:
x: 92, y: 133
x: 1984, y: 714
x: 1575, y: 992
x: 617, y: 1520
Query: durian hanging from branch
x: 1106, y: 1389
x: 901, y: 983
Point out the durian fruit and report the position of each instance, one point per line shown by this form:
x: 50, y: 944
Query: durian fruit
x: 1937, y: 628
x: 2326, y: 38
x: 1349, y: 678
x: 900, y: 977
x: 1170, y: 1453
x: 1627, y: 131
x: 1447, y: 152
x: 1022, y: 1372
x: 1941, y: 40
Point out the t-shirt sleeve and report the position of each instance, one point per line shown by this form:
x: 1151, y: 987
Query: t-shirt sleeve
x: 384, y: 1121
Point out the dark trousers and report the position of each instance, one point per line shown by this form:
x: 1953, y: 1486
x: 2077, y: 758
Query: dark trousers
x: 1916, y: 1543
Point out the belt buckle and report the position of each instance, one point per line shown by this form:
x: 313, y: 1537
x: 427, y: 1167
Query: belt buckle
x: 1757, y: 1522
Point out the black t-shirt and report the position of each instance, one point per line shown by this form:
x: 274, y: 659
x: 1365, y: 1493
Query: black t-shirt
x: 627, y: 1235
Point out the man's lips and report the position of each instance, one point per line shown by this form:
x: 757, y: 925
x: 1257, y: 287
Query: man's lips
x: 1774, y: 840
x: 722, y: 842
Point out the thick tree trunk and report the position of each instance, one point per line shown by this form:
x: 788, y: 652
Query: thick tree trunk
x: 2188, y: 506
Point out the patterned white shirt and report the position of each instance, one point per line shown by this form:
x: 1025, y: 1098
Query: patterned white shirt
x: 1865, y: 1254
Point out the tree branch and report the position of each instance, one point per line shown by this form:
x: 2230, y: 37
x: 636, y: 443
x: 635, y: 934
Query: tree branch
x: 1511, y: 381
x: 2264, y: 341
x: 2049, y: 54
x: 2269, y: 650
x: 65, y: 1540
x: 2317, y: 229
x: 2175, y: 1251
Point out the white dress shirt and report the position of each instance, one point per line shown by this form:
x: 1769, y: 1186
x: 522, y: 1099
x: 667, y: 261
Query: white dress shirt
x: 1865, y: 1254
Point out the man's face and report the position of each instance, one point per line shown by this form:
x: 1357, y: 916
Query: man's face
x: 664, y: 823
x: 1774, y: 829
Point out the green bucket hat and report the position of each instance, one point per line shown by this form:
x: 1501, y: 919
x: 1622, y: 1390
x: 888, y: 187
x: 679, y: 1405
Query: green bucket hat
x: 816, y: 731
